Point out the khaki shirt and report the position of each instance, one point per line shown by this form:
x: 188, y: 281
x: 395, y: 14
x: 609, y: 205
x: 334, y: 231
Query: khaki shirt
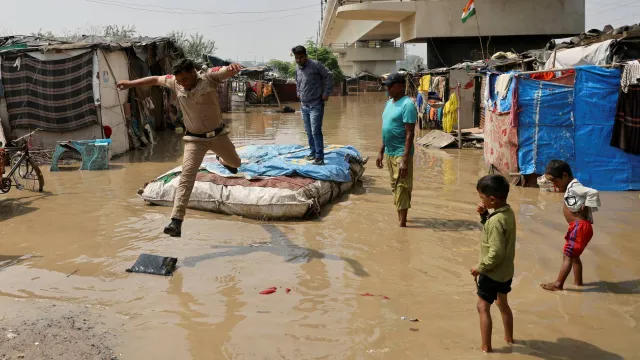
x: 498, y: 245
x: 200, y: 107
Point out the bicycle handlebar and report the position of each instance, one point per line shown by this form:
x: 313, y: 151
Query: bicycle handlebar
x: 15, y: 142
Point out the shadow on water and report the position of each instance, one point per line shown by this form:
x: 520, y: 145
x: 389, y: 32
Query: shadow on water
x: 279, y: 245
x: 443, y: 224
x: 563, y: 348
x: 629, y: 287
x: 12, y: 207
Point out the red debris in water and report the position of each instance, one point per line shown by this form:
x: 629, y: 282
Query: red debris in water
x: 385, y: 297
x: 268, y: 291
x: 366, y: 294
x: 287, y: 290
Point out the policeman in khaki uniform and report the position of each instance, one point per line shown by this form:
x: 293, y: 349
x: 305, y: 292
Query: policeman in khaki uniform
x: 198, y: 99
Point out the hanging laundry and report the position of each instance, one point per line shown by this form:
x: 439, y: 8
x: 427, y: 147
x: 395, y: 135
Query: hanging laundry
x: 626, y: 128
x: 268, y: 90
x: 630, y: 75
x: 502, y: 85
x: 543, y: 76
x: 450, y: 113
x: 487, y: 89
x: 425, y: 84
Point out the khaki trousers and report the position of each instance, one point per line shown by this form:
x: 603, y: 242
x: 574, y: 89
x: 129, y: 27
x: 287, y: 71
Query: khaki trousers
x: 194, y: 152
x: 401, y: 187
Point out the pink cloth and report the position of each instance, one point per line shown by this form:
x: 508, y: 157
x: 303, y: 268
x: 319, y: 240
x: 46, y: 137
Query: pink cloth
x: 500, y: 142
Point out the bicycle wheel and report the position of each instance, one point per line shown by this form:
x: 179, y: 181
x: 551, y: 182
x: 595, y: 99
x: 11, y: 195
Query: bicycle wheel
x: 28, y: 176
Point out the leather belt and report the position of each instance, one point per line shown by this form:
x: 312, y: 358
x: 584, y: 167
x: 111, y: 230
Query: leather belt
x: 211, y: 134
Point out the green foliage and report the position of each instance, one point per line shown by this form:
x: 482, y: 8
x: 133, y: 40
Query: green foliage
x: 193, y: 45
x: 120, y: 31
x: 325, y: 56
x: 412, y: 63
x: 285, y: 69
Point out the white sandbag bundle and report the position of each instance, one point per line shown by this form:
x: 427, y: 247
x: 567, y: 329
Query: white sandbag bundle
x: 274, y: 182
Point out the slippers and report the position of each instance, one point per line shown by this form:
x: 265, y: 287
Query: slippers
x: 229, y: 168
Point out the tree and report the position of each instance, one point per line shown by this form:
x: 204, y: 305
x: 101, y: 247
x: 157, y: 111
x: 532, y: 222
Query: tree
x: 325, y: 56
x: 45, y: 35
x: 127, y: 32
x: 412, y: 62
x: 285, y: 69
x: 193, y: 45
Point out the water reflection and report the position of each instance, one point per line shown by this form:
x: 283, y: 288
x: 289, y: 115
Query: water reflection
x: 91, y: 227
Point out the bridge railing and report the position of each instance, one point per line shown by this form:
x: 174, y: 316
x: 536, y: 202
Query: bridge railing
x: 367, y: 45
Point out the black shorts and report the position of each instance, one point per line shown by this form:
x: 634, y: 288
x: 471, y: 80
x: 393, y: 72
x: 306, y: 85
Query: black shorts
x: 488, y: 288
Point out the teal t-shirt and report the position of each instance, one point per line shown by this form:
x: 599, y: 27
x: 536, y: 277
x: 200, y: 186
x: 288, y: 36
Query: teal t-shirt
x: 395, y: 116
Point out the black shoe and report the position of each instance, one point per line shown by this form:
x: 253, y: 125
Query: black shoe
x: 310, y: 157
x: 318, y: 162
x: 229, y: 168
x: 174, y: 229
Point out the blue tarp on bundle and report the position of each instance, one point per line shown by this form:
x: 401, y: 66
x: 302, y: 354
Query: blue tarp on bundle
x: 288, y: 160
x: 575, y: 124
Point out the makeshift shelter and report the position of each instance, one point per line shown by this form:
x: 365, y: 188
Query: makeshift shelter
x: 69, y: 88
x: 568, y: 118
x: 364, y: 82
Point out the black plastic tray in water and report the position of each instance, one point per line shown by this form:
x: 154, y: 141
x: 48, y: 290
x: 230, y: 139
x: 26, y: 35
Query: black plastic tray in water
x: 154, y: 264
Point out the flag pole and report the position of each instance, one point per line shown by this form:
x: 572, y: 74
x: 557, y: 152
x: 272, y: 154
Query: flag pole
x: 480, y: 37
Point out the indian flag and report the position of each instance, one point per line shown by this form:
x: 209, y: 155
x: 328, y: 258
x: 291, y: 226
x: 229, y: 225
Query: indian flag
x: 468, y: 11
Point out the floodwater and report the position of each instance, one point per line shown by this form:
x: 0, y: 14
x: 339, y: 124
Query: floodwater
x: 90, y: 226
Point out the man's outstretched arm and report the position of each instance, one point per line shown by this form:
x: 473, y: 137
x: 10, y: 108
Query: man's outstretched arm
x: 147, y: 81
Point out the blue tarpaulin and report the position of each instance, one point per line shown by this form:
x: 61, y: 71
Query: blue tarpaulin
x: 600, y: 165
x: 545, y: 125
x: 289, y: 160
x: 575, y: 124
x: 494, y: 101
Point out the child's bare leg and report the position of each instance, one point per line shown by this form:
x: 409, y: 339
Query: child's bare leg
x: 565, y: 269
x: 577, y: 271
x: 485, y: 324
x: 507, y: 317
x: 402, y: 217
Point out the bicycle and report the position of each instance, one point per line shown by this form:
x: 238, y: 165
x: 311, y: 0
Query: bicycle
x: 24, y: 173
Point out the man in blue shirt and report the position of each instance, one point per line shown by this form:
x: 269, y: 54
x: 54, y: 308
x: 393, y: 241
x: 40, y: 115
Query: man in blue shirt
x: 398, y: 130
x: 314, y: 85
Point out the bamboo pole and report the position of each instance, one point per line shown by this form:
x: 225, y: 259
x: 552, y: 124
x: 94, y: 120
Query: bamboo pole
x: 459, y: 129
x: 273, y: 87
x: 555, y: 70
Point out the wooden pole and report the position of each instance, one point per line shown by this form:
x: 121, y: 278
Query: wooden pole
x: 459, y: 129
x: 273, y: 87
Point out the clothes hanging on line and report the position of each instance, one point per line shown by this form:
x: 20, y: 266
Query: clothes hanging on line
x: 450, y: 113
x: 630, y: 75
x: 626, y: 128
x: 425, y: 84
x: 502, y: 85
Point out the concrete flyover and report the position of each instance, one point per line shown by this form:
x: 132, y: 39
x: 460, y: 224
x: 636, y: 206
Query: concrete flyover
x: 505, y: 25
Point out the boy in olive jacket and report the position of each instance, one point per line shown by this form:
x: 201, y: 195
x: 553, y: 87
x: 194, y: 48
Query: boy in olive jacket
x: 494, y: 272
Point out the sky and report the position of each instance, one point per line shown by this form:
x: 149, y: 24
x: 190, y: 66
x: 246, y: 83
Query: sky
x: 244, y: 30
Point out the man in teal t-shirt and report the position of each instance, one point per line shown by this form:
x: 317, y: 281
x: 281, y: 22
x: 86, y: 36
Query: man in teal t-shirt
x: 398, y: 130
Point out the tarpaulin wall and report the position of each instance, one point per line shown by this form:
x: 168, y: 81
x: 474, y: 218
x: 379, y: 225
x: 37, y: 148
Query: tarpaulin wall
x: 574, y: 124
x: 600, y: 165
x: 54, y: 95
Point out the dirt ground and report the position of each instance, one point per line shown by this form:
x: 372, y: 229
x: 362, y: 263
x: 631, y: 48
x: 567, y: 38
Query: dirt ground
x: 40, y: 329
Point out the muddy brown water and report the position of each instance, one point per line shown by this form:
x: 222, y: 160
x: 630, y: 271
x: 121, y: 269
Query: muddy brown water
x: 90, y: 226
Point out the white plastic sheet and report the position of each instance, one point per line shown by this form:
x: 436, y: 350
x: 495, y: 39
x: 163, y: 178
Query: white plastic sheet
x: 595, y: 54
